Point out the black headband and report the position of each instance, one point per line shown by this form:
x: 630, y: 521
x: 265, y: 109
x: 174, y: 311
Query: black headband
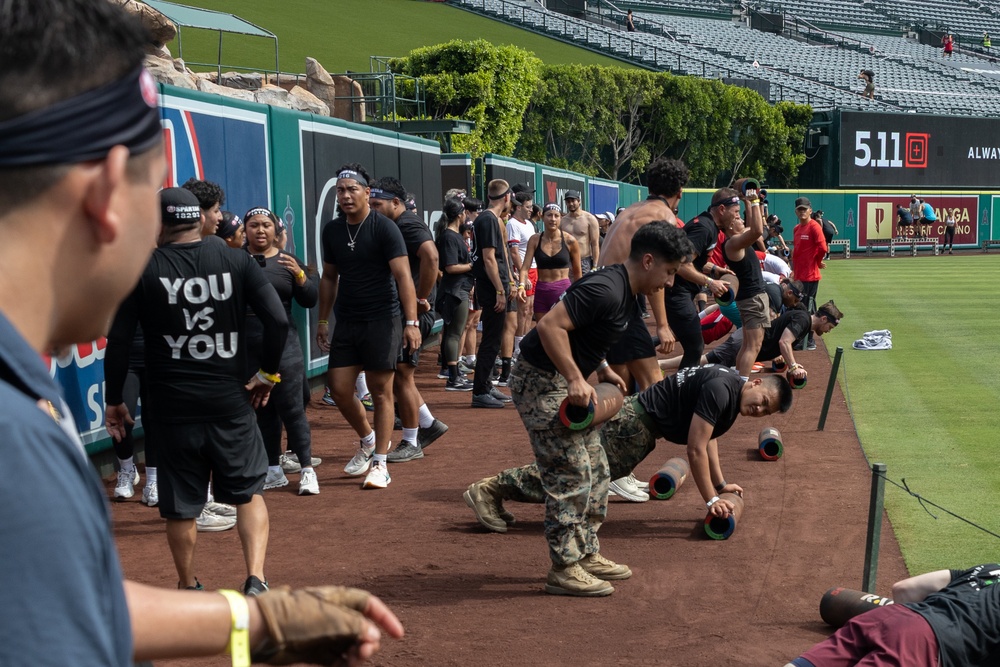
x: 501, y: 195
x: 260, y: 210
x: 350, y: 173
x: 728, y: 201
x: 227, y: 230
x: 87, y: 126
x: 826, y: 313
x: 379, y: 193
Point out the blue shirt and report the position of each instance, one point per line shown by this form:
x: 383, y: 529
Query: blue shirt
x: 64, y: 603
x: 927, y: 211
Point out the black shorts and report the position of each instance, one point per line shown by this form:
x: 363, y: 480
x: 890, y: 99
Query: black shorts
x: 426, y: 324
x: 228, y: 451
x: 635, y: 343
x: 373, y: 345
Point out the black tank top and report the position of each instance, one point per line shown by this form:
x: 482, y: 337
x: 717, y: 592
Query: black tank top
x: 747, y: 271
x: 560, y: 260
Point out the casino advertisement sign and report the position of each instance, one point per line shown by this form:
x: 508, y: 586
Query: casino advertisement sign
x: 877, y: 217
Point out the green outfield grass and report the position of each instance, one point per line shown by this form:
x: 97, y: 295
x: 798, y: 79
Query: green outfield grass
x: 930, y: 407
x: 342, y: 34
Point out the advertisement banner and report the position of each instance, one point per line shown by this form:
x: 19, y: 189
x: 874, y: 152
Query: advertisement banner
x: 877, y: 217
x: 918, y: 151
x: 555, y: 185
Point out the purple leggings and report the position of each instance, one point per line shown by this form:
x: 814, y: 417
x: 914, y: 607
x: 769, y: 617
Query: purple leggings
x: 547, y: 295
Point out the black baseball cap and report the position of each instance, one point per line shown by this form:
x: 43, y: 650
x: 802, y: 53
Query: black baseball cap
x: 572, y: 194
x: 179, y: 207
x: 522, y: 187
x: 802, y: 202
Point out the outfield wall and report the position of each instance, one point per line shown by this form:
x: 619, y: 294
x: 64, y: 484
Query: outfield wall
x: 870, y: 215
x: 287, y: 160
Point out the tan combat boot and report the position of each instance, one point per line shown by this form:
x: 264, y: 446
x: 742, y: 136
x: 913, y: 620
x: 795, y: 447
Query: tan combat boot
x: 574, y: 580
x: 605, y: 569
x: 483, y: 497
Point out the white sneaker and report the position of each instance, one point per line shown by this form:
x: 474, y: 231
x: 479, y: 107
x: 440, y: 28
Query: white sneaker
x: 362, y: 459
x: 275, y: 479
x: 626, y: 488
x: 290, y: 462
x: 220, y: 509
x: 150, y: 495
x: 213, y: 523
x: 125, y: 487
x: 642, y: 486
x: 378, y: 476
x: 308, y: 484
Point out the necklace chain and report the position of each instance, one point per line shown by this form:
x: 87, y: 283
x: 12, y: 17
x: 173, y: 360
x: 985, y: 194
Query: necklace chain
x: 353, y: 239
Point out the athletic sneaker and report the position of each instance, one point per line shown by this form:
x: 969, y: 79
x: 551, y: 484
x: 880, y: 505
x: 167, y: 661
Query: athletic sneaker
x: 150, y: 495
x: 378, y: 477
x: 465, y: 368
x: 125, y: 487
x: 197, y: 586
x: 358, y: 465
x: 366, y: 401
x: 308, y: 484
x: 627, y: 488
x: 220, y: 509
x: 500, y: 396
x: 811, y: 345
x: 576, y: 581
x: 642, y: 486
x: 425, y: 436
x: 290, y: 462
x: 328, y: 397
x: 503, y: 381
x: 213, y: 523
x: 254, y: 586
x: 406, y: 451
x: 486, y: 401
x: 275, y: 479
x: 443, y: 373
x: 458, y: 385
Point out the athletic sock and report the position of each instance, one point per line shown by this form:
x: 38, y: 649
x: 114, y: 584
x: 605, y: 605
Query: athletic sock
x: 470, y: 361
x: 361, y: 386
x: 380, y: 458
x: 126, y: 464
x: 369, y: 440
x: 426, y: 419
x: 150, y: 476
x: 744, y: 378
x: 505, y: 367
x: 517, y: 345
x: 274, y: 469
x: 453, y: 373
x: 410, y: 434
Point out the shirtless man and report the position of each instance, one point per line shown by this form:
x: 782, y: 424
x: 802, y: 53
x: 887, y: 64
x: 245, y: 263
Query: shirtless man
x: 583, y: 226
x: 633, y: 357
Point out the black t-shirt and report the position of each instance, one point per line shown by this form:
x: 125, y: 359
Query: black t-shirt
x: 704, y: 235
x: 773, y: 291
x: 367, y: 289
x: 795, y: 320
x: 712, y: 392
x: 453, y: 250
x: 488, y: 234
x: 287, y: 287
x: 747, y: 271
x: 191, y: 302
x: 965, y: 617
x: 415, y: 234
x: 599, y: 305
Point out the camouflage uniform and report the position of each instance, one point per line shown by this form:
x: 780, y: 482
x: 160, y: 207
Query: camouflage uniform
x: 572, y: 465
x: 626, y: 442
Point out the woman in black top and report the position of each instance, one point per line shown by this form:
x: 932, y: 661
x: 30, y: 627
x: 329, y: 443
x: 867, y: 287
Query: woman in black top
x: 292, y: 282
x: 453, y: 295
x: 231, y: 230
x: 556, y: 254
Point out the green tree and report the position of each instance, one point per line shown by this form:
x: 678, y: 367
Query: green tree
x: 476, y: 81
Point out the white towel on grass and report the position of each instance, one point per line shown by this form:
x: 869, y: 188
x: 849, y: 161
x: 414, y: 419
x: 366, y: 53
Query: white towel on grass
x: 880, y: 339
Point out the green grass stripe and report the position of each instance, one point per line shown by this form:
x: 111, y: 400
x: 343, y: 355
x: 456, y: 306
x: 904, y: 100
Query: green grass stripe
x: 342, y: 34
x: 928, y: 407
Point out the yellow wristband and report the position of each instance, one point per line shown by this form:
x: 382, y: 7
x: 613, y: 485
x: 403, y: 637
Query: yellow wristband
x: 300, y: 275
x: 239, y: 636
x: 268, y: 377
x: 322, y: 322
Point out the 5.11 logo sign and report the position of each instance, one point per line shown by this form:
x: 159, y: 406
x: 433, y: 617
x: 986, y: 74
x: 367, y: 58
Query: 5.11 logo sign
x: 883, y: 150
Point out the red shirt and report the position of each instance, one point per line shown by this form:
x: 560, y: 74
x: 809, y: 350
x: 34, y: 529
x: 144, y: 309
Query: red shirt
x: 809, y: 250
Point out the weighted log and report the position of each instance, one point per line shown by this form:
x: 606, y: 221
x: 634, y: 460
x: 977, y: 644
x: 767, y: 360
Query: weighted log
x: 665, y: 481
x: 839, y: 605
x: 721, y: 529
x: 769, y: 444
x: 609, y: 402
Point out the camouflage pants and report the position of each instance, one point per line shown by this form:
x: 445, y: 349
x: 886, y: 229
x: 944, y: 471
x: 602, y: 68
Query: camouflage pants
x: 572, y: 466
x: 626, y: 442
